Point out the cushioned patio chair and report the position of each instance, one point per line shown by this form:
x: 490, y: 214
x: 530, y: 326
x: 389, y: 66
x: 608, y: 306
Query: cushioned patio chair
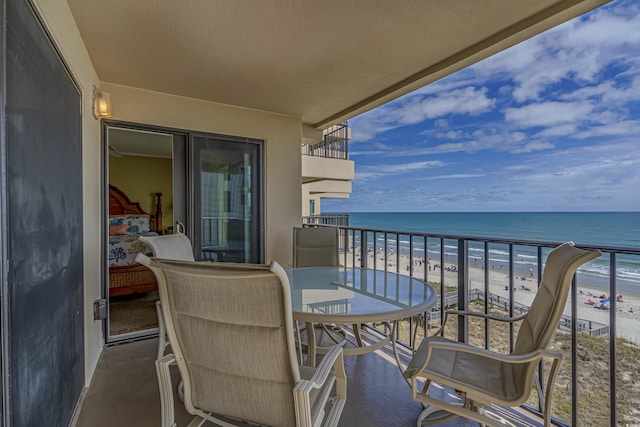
x: 318, y: 247
x: 484, y: 377
x: 315, y: 247
x: 171, y: 246
x: 231, y: 332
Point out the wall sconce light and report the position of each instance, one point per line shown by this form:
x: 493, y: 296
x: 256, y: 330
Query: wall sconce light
x: 101, y: 104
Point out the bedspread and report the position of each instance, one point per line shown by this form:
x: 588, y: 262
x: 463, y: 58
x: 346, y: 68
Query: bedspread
x: 124, y: 248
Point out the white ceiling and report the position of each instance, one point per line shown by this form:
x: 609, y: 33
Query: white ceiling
x: 321, y: 60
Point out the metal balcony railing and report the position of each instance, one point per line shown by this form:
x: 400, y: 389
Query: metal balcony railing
x: 341, y: 220
x: 461, y: 269
x: 334, y: 145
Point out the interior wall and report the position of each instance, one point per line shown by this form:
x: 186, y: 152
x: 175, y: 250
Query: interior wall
x: 140, y: 178
x: 57, y: 18
x: 282, y: 135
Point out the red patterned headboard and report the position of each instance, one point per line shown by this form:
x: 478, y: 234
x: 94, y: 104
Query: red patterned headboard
x: 119, y: 204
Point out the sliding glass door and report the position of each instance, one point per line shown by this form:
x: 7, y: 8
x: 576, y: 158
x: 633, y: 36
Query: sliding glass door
x: 227, y: 199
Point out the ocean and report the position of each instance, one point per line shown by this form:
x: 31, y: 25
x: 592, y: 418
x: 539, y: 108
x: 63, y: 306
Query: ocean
x: 616, y: 229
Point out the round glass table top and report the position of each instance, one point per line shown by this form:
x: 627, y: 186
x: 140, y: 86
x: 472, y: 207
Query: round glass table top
x: 342, y: 294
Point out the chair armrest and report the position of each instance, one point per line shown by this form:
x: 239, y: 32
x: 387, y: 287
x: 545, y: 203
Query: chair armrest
x: 143, y: 259
x: 302, y: 391
x: 505, y: 358
x: 324, y: 368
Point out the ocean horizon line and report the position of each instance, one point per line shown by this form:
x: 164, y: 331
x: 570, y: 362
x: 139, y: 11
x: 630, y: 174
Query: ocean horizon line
x: 473, y: 212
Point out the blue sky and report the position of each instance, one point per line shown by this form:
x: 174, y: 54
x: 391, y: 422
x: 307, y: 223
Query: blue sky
x: 552, y: 124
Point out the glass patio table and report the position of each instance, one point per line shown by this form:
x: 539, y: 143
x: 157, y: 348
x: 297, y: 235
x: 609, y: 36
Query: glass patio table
x: 339, y: 295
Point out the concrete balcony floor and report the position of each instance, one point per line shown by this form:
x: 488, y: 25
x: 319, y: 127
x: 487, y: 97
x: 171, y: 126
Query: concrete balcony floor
x: 124, y: 392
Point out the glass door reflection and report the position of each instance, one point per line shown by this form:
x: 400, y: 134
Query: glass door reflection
x: 227, y: 178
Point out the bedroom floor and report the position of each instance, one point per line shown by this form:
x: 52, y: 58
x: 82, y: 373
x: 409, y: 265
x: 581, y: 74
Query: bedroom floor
x: 133, y: 313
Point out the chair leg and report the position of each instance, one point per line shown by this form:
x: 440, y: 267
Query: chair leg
x: 196, y: 422
x: 162, y: 331
x: 433, y: 415
x: 356, y: 332
x: 501, y: 421
x: 553, y: 373
x: 166, y: 392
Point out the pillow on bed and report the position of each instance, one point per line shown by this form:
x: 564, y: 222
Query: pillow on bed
x: 118, y: 230
x: 135, y: 224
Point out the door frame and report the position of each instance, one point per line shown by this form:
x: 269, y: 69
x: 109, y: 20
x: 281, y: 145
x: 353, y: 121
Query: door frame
x: 106, y: 124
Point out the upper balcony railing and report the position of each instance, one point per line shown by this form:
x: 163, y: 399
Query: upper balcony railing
x: 597, y: 383
x: 334, y: 145
x: 340, y: 220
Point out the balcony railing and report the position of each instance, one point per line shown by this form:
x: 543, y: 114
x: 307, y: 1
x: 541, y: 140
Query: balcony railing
x: 340, y: 220
x: 334, y: 145
x: 461, y: 268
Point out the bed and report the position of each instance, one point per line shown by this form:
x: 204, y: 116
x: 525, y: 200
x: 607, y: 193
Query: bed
x: 127, y: 222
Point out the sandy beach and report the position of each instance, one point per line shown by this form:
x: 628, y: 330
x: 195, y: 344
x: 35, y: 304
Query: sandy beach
x: 627, y: 307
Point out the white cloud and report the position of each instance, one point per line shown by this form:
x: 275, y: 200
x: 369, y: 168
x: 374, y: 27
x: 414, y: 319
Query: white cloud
x: 560, y: 130
x: 488, y: 138
x: 455, y: 176
x: 578, y: 50
x: 469, y: 100
x: 367, y: 172
x: 582, y: 170
x: 548, y: 114
x: 530, y: 147
x: 452, y: 134
x: 612, y: 93
x: 623, y: 94
x: 408, y: 167
x: 622, y: 128
x: 414, y: 109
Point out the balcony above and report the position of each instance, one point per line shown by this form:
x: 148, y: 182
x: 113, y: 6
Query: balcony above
x: 322, y: 168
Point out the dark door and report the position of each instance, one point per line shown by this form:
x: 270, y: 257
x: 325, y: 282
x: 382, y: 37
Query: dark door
x: 44, y: 322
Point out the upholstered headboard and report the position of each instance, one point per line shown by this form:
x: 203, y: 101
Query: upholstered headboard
x: 119, y: 204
